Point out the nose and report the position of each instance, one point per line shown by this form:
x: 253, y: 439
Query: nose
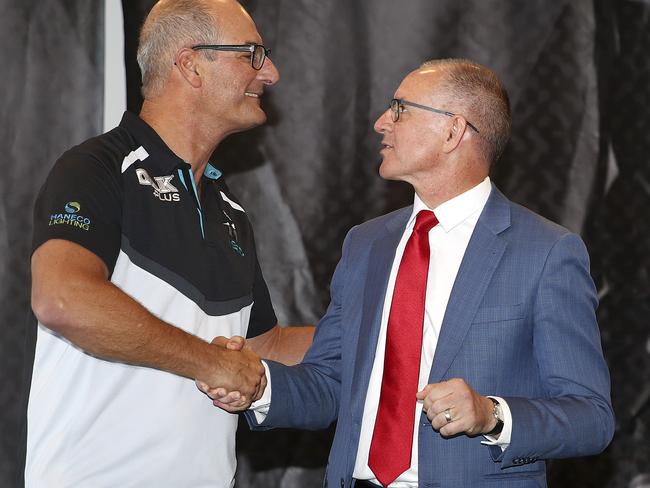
x: 384, y: 123
x: 269, y: 74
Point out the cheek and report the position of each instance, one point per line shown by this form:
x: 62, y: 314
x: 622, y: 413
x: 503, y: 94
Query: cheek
x: 407, y: 145
x: 416, y: 146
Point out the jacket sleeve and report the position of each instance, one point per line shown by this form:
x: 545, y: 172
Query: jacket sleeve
x: 306, y: 396
x: 575, y: 416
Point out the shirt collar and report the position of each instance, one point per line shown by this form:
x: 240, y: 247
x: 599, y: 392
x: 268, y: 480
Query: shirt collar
x: 162, y: 158
x: 455, y: 211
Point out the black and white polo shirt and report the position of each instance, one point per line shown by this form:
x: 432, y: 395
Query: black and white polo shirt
x: 191, y: 261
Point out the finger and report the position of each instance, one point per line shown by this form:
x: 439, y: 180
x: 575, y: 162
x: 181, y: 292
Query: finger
x: 450, y: 429
x: 426, y: 407
x: 216, y: 392
x: 241, y: 403
x: 442, y: 417
x: 232, y: 397
x: 257, y: 393
x: 424, y: 392
x: 260, y: 389
x: 236, y: 343
x: 456, y: 426
x: 434, y: 404
x: 434, y: 391
x: 220, y: 341
x: 228, y: 408
x: 202, y: 386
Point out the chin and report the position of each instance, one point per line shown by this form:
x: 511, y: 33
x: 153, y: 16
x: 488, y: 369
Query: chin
x: 258, y: 118
x: 252, y: 122
x: 385, y: 171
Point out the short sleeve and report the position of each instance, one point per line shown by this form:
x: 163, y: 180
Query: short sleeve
x: 262, y: 315
x: 81, y: 202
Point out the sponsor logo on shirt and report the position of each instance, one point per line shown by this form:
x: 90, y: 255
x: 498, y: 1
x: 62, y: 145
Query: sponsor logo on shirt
x: 163, y: 190
x: 70, y: 217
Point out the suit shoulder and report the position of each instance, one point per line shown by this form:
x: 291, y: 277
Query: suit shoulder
x: 378, y: 225
x: 542, y: 235
x: 528, y: 220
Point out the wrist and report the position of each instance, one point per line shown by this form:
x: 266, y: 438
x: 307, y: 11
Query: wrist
x: 208, y: 362
x: 497, y: 417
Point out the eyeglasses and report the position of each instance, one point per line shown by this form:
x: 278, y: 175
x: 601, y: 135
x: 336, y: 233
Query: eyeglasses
x: 397, y: 107
x: 258, y: 52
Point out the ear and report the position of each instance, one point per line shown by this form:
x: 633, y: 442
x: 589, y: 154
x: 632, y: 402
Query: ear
x: 189, y: 66
x: 455, y: 132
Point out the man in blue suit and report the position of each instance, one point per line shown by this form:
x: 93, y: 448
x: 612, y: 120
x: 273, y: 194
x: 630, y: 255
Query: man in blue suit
x: 497, y: 303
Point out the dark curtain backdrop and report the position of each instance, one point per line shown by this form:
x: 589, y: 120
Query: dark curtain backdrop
x: 51, y: 90
x: 578, y: 72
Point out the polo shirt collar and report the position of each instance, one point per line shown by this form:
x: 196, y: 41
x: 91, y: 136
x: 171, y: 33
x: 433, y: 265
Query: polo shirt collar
x: 162, y: 159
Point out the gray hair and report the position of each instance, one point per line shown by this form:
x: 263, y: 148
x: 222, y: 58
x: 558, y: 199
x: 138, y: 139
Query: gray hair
x: 170, y: 26
x: 484, y: 101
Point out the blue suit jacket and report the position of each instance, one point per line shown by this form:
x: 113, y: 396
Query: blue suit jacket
x: 520, y: 323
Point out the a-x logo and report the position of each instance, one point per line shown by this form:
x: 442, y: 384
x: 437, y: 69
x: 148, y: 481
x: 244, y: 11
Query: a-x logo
x: 162, y: 186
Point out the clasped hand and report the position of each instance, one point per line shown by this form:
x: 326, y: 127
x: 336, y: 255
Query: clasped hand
x: 453, y: 407
x: 241, y: 379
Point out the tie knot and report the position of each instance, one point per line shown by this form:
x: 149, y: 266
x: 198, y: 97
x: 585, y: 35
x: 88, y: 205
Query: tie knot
x: 425, y: 221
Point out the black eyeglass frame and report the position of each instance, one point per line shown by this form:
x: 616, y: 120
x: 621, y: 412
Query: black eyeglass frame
x: 399, y: 102
x: 250, y: 48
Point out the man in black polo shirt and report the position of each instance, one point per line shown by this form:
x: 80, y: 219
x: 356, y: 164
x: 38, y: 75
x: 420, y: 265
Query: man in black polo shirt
x: 141, y: 256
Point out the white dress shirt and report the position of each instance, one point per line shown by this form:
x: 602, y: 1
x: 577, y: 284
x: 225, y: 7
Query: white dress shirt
x: 448, y: 241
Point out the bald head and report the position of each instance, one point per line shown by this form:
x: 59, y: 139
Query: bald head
x: 172, y: 25
x: 479, y: 94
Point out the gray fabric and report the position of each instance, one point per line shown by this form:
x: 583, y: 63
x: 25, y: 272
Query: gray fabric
x: 51, y: 99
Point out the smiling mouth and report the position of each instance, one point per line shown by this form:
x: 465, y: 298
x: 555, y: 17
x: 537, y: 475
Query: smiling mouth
x: 386, y: 146
x: 252, y: 94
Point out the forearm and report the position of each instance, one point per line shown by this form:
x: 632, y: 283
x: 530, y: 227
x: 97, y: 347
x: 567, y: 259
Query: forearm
x: 286, y: 345
x: 559, y: 428
x: 72, y: 296
x: 102, y: 320
x: 303, y: 397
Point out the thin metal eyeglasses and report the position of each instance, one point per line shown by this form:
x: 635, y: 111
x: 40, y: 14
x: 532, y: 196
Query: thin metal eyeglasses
x: 397, y: 106
x: 258, y: 52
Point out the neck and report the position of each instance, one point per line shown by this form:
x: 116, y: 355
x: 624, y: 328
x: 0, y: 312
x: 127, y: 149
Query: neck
x: 436, y: 189
x: 182, y: 132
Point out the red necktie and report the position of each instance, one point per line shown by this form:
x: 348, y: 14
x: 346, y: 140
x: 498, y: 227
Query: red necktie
x: 392, y: 439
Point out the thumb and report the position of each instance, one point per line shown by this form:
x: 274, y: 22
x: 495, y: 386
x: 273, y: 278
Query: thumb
x: 422, y: 394
x: 220, y: 341
x: 236, y: 343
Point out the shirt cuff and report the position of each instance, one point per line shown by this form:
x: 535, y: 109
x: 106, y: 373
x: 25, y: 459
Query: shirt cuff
x: 261, y: 407
x: 503, y: 439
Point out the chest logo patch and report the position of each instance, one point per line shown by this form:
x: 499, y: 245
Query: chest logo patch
x: 163, y: 189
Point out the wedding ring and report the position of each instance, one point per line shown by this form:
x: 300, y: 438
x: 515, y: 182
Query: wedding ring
x: 447, y: 415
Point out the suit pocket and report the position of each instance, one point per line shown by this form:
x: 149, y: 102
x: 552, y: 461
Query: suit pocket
x: 502, y: 313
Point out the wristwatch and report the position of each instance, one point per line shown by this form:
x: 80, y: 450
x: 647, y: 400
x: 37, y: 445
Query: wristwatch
x: 497, y: 412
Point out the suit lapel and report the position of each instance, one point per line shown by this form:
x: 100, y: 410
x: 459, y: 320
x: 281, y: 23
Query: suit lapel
x: 481, y: 258
x: 380, y: 261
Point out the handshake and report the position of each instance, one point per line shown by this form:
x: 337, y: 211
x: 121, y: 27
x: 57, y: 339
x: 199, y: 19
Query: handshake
x: 236, y: 377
